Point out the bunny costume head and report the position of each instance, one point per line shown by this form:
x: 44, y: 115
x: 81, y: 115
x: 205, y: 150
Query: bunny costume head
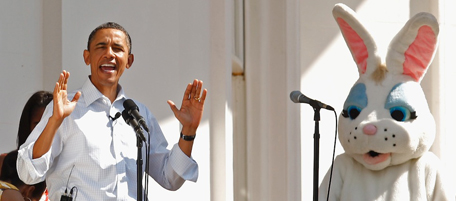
x: 386, y: 120
x: 386, y: 127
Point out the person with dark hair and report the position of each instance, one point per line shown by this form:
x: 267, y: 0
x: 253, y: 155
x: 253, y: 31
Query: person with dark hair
x: 31, y: 114
x: 83, y: 149
x: 10, y: 182
x: 30, y: 117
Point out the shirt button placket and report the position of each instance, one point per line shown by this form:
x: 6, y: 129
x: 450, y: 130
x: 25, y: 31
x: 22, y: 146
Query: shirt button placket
x: 120, y: 166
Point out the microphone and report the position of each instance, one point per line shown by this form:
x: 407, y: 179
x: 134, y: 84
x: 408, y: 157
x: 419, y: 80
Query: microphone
x: 298, y: 97
x: 132, y: 109
x: 115, y: 117
x: 134, y: 124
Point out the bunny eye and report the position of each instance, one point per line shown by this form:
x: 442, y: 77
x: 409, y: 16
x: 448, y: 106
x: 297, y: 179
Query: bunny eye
x: 352, y: 112
x: 402, y: 114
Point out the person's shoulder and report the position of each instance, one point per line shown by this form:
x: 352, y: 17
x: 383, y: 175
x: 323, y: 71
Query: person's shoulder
x: 143, y: 109
x: 140, y: 105
x: 11, y: 194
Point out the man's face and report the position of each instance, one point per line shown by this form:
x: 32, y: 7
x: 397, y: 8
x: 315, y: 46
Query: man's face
x: 108, y: 57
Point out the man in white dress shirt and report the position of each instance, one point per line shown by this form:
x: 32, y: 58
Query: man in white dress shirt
x: 79, y: 148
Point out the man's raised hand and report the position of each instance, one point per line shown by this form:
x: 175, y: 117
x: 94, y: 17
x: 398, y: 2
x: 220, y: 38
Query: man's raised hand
x: 191, y: 111
x: 62, y: 106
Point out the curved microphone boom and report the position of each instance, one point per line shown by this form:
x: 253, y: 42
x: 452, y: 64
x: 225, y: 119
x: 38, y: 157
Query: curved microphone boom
x: 132, y: 109
x: 298, y: 97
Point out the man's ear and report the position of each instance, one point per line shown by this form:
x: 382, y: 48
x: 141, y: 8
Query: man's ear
x: 86, y: 55
x: 131, y: 58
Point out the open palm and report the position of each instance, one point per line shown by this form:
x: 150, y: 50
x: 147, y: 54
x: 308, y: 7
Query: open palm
x: 62, y: 106
x: 191, y: 111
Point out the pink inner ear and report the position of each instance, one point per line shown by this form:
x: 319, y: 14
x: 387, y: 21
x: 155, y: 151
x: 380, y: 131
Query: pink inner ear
x: 356, y: 45
x: 419, y: 54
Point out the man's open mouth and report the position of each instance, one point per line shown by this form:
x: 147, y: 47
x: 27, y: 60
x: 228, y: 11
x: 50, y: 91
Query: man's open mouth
x: 108, y: 67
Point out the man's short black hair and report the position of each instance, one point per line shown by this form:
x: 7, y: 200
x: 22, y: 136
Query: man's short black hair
x: 110, y: 25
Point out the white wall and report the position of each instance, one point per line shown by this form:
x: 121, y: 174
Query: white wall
x: 21, y: 63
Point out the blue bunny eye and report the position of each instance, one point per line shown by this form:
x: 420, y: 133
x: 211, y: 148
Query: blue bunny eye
x: 352, y: 112
x: 400, y: 113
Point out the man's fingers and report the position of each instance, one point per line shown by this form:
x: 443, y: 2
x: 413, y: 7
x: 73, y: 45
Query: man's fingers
x: 173, y: 107
x: 193, y: 93
x: 76, y: 97
x: 203, y: 97
x: 60, y: 81
x: 65, y: 80
x: 187, y: 92
x: 198, y: 88
x: 56, y: 89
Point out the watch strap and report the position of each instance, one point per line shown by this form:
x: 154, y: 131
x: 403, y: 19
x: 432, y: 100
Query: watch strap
x: 187, y: 137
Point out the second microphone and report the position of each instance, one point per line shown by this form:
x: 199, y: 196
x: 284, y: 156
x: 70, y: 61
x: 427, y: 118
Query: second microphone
x: 132, y: 109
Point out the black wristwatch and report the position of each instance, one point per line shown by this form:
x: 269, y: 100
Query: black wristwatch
x: 187, y: 137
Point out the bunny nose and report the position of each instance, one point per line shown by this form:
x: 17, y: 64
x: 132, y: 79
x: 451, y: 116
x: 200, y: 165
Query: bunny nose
x: 370, y: 129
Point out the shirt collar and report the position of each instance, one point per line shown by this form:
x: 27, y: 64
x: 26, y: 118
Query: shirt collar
x: 92, y: 94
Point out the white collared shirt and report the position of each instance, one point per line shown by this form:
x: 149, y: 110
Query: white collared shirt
x: 102, y: 151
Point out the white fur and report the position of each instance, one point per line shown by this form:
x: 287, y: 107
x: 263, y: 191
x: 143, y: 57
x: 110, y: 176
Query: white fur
x: 415, y: 180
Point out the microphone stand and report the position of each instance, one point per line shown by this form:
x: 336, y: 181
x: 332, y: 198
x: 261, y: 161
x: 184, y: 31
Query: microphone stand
x: 298, y: 97
x: 130, y: 120
x: 139, y: 163
x: 316, y: 150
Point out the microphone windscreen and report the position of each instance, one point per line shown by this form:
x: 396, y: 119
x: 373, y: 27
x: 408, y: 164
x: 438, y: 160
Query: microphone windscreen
x: 294, y: 96
x: 130, y: 104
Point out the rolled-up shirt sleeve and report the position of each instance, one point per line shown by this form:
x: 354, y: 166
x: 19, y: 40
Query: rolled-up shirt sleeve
x: 30, y: 170
x: 178, y: 168
x: 184, y: 166
x: 170, y: 168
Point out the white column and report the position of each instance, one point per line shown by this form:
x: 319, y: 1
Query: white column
x: 221, y: 126
x: 439, y: 87
x: 271, y: 73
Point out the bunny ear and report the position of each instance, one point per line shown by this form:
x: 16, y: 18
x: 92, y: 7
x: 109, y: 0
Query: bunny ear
x: 413, y: 48
x: 359, y: 41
